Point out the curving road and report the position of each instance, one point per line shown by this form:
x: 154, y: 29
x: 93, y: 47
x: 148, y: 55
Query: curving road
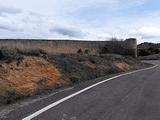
x: 134, y: 96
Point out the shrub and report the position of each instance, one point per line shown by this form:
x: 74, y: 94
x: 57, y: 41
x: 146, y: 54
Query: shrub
x: 86, y: 51
x: 79, y: 51
x: 8, y: 53
x: 104, y: 50
x: 1, y: 54
x: 143, y: 52
x: 32, y: 52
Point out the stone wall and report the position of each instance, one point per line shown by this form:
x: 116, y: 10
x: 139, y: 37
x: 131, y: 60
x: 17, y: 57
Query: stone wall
x: 127, y: 47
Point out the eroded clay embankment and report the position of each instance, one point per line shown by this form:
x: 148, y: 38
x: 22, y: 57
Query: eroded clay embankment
x: 24, y: 73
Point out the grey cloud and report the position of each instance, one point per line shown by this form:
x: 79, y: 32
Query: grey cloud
x: 8, y: 10
x: 8, y: 28
x: 149, y: 36
x: 146, y: 36
x: 70, y: 32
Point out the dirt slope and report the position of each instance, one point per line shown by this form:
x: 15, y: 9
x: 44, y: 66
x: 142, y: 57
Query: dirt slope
x: 24, y: 73
x: 80, y: 67
x: 26, y: 76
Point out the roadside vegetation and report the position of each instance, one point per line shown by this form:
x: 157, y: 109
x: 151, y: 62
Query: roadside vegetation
x: 27, y: 72
x: 149, y: 51
x: 146, y: 49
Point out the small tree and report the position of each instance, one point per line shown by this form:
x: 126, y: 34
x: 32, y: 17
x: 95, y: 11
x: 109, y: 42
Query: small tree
x: 79, y: 51
x: 114, y: 39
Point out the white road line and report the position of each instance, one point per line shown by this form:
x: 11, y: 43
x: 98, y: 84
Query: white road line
x: 79, y: 92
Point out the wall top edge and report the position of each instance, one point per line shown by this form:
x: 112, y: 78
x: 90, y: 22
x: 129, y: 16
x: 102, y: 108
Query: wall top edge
x: 58, y: 40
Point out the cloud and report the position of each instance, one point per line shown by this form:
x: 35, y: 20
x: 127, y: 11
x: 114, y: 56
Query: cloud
x: 68, y: 31
x: 146, y: 36
x: 147, y: 32
x: 69, y: 5
x: 155, y: 31
x: 8, y: 28
x: 8, y: 10
x: 83, y: 19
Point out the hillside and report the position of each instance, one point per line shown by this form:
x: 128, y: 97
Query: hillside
x: 145, y: 49
x: 28, y: 72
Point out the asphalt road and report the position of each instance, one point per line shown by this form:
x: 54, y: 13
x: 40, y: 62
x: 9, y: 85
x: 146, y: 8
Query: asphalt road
x: 131, y: 97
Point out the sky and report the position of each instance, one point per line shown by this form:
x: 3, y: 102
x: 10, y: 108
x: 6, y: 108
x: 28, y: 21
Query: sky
x: 80, y: 19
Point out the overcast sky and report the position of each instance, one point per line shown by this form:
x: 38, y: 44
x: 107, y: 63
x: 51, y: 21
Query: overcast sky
x: 80, y: 19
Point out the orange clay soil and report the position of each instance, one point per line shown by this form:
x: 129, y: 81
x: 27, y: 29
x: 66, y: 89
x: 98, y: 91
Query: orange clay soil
x: 28, y: 76
x: 122, y: 65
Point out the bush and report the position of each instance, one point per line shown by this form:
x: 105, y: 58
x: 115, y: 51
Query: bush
x: 32, y: 52
x: 146, y: 49
x: 10, y: 54
x: 86, y: 51
x: 1, y: 54
x: 79, y: 51
x: 104, y: 50
x: 143, y: 52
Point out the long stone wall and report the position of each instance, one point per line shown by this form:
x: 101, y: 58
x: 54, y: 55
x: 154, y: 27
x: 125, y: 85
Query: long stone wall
x: 127, y: 47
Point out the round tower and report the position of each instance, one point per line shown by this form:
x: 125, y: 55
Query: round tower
x: 132, y: 46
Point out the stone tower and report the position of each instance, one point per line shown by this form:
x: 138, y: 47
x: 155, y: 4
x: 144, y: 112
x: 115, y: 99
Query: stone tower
x: 132, y: 46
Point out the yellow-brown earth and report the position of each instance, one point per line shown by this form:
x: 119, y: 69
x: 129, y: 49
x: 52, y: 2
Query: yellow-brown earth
x: 28, y: 76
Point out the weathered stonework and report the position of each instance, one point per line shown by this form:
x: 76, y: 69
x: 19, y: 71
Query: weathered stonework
x: 127, y: 47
